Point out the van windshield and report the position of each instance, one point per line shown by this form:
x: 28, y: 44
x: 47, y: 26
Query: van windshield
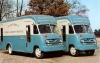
x: 54, y: 29
x: 44, y: 29
x: 82, y: 29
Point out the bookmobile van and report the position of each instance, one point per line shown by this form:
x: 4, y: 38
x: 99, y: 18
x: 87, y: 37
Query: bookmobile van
x: 77, y: 35
x: 30, y: 34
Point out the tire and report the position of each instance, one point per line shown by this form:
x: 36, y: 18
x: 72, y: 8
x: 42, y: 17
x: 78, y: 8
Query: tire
x: 73, y: 51
x: 89, y: 52
x: 38, y: 54
x: 10, y: 50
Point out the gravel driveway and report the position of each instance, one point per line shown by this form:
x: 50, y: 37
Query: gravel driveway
x: 55, y: 57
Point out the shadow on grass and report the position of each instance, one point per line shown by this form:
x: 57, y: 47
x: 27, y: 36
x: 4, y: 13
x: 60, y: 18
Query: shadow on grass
x: 20, y: 54
x: 47, y: 55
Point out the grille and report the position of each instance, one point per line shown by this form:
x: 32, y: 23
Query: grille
x: 53, y: 40
x: 88, y: 40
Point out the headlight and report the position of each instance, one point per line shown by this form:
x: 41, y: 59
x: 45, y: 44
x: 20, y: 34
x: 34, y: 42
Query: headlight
x: 82, y: 41
x: 94, y: 40
x: 61, y: 41
x: 47, y: 41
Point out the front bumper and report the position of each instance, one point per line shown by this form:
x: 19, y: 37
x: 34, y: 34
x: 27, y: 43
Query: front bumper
x: 87, y: 47
x: 52, y: 48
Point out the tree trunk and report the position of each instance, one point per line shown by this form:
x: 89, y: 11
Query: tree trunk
x: 17, y: 9
x: 0, y: 16
x: 21, y: 8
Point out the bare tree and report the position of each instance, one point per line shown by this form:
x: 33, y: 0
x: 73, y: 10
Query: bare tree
x: 5, y: 8
x: 19, y: 8
x: 76, y: 8
x: 1, y: 8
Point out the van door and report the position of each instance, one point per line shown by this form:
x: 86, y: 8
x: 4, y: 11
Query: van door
x: 64, y: 27
x: 31, y: 34
x: 63, y: 30
x: 28, y: 39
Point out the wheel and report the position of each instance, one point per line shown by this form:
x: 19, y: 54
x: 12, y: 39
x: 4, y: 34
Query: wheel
x: 10, y: 50
x: 89, y: 52
x: 38, y: 54
x: 73, y: 51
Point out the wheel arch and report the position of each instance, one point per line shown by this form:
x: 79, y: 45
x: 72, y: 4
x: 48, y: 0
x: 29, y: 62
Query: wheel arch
x: 70, y: 46
x: 8, y: 45
x: 41, y: 54
x: 74, y: 54
x: 35, y: 47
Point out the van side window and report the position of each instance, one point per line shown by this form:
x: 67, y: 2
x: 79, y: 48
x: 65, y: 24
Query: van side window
x: 71, y: 30
x: 28, y: 33
x: 2, y: 34
x: 35, y: 29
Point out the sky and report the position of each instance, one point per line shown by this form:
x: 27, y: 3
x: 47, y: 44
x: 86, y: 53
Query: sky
x: 93, y: 13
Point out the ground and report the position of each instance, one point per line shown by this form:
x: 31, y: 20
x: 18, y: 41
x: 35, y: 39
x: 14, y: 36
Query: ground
x: 55, y: 57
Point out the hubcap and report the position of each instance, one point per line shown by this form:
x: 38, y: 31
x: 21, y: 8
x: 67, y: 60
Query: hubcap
x: 38, y: 52
x: 10, y: 50
x: 73, y: 51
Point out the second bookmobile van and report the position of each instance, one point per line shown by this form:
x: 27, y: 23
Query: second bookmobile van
x: 30, y: 34
x: 77, y: 35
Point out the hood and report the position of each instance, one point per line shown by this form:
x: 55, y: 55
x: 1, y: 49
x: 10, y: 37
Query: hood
x: 87, y: 35
x: 51, y: 36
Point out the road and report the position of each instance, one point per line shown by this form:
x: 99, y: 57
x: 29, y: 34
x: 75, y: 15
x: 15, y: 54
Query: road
x: 55, y: 57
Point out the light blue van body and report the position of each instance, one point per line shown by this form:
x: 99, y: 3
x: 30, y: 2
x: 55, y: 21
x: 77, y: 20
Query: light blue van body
x: 19, y: 42
x: 75, y: 39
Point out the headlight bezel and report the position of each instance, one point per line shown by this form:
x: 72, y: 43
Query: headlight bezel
x: 95, y: 40
x: 61, y: 41
x: 47, y: 42
x: 82, y: 41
